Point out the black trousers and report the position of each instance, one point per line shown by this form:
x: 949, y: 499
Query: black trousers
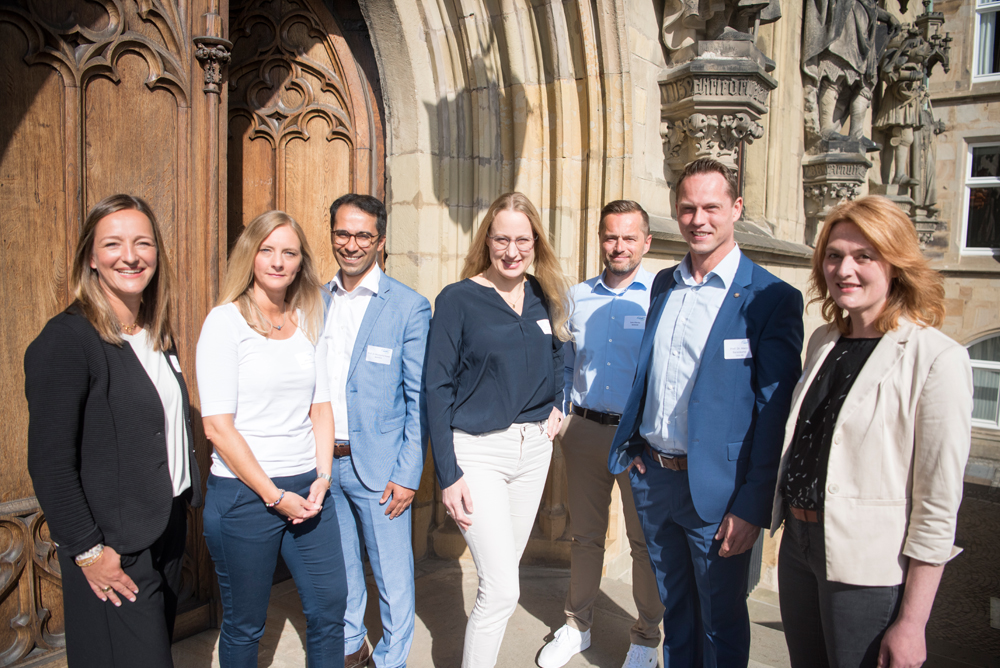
x: 828, y: 624
x: 135, y: 634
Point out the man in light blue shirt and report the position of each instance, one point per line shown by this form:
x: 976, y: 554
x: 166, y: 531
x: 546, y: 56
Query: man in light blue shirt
x: 607, y: 322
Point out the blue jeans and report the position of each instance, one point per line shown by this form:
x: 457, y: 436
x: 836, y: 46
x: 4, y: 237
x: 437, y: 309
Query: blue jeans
x: 390, y: 553
x: 706, y: 622
x: 828, y: 624
x: 244, y: 538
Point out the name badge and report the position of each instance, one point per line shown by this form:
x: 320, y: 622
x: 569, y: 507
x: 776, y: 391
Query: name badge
x: 737, y: 349
x: 635, y: 322
x: 378, y: 355
x: 545, y: 326
x: 174, y: 362
x: 305, y: 360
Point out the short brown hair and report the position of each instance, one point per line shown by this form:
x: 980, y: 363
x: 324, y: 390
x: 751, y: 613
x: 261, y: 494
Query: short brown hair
x: 620, y: 206
x: 85, y: 283
x: 708, y: 166
x: 916, y: 290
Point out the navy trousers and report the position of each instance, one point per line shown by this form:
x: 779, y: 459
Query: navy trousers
x: 244, y: 538
x: 706, y: 623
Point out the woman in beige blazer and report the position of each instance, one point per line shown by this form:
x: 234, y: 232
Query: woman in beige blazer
x: 875, y: 449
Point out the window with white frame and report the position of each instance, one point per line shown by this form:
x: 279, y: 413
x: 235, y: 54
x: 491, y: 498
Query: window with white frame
x: 985, y: 356
x: 982, y: 199
x: 987, y: 47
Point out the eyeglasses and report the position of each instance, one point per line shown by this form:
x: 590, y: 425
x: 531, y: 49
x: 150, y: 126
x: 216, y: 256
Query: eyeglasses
x: 362, y: 239
x: 524, y: 244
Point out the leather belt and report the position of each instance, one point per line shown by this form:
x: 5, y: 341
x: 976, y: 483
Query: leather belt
x: 678, y: 463
x: 611, y: 419
x: 803, y: 515
x: 341, y: 449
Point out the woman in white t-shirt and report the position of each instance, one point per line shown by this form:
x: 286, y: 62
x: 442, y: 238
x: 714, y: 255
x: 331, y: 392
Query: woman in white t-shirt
x: 266, y: 408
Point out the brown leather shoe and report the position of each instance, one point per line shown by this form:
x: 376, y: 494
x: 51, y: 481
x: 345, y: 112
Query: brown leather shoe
x: 360, y: 658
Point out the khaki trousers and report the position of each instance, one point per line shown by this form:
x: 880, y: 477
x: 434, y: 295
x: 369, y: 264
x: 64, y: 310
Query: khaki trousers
x: 586, y: 445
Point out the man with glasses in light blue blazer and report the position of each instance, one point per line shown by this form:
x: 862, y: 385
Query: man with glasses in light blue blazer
x: 376, y: 335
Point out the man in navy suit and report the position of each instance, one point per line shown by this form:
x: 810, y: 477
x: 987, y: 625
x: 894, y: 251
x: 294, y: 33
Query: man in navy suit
x: 376, y: 335
x: 703, y: 425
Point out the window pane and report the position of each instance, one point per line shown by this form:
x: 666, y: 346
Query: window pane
x: 985, y: 392
x: 988, y: 350
x: 984, y: 218
x: 989, y: 53
x: 985, y: 160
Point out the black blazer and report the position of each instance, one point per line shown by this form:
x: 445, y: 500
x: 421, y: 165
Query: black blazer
x: 97, y: 451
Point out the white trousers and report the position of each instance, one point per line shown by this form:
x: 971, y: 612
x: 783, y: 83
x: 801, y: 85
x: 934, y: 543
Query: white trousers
x: 505, y: 471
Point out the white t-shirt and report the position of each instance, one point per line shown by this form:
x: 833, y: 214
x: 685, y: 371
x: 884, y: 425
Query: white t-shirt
x: 267, y: 385
x: 158, y: 369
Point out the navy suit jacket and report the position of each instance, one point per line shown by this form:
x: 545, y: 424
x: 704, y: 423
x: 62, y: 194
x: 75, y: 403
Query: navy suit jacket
x: 738, y: 407
x: 388, y: 428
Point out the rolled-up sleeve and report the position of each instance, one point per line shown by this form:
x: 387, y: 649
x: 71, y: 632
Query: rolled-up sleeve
x: 942, y: 436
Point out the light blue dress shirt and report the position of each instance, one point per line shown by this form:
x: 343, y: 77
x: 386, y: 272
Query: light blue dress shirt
x: 607, y: 327
x: 678, y: 342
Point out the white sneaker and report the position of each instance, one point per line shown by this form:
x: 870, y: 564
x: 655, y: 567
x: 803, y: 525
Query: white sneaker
x: 568, y: 641
x: 641, y: 657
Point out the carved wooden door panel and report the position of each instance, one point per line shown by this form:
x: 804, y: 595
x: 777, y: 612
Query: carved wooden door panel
x: 304, y: 119
x: 96, y: 97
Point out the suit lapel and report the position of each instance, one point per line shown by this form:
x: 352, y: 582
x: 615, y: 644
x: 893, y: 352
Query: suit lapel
x: 886, y: 355
x: 375, y: 306
x: 733, y: 302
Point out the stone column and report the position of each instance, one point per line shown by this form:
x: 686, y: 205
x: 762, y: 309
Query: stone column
x: 829, y: 178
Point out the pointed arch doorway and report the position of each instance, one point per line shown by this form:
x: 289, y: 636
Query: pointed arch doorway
x: 305, y: 122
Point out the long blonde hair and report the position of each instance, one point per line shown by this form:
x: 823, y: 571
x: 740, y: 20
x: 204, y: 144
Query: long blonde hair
x: 89, y: 296
x: 547, y: 271
x: 302, y: 295
x: 916, y: 290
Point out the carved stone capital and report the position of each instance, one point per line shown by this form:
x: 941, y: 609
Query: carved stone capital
x: 829, y: 179
x: 213, y: 53
x: 710, y: 105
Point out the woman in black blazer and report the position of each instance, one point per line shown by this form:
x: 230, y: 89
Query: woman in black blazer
x: 109, y: 442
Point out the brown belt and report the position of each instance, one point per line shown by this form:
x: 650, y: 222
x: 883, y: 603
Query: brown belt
x: 341, y: 449
x: 679, y: 463
x: 597, y: 416
x: 803, y: 515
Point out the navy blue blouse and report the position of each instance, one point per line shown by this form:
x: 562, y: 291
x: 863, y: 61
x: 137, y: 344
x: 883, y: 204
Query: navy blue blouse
x: 487, y: 367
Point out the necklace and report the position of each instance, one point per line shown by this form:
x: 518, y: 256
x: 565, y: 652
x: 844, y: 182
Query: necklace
x: 130, y: 329
x: 512, y: 304
x: 278, y: 327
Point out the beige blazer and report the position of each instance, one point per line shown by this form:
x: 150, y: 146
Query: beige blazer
x: 897, y: 460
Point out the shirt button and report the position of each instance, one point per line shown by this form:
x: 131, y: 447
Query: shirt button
x: 610, y: 340
x: 606, y: 387
x: 612, y: 317
x: 833, y: 488
x: 674, y: 353
x: 609, y: 363
x: 836, y: 438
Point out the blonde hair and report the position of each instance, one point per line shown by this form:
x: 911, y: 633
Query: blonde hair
x: 88, y: 292
x: 548, y: 273
x: 916, y: 291
x: 302, y: 295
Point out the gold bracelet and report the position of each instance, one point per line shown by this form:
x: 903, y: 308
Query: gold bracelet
x: 89, y: 557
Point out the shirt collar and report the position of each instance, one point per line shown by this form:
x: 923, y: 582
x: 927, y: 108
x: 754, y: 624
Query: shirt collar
x: 725, y: 270
x: 369, y: 282
x: 643, y: 279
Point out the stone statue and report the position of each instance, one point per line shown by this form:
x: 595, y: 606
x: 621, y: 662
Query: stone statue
x: 686, y: 22
x: 899, y: 111
x: 840, y: 56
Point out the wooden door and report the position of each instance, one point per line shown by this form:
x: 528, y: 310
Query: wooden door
x: 96, y: 97
x: 305, y: 124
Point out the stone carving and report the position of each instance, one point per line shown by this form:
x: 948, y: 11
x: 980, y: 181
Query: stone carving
x: 841, y: 44
x: 829, y: 179
x: 687, y: 22
x: 718, y: 137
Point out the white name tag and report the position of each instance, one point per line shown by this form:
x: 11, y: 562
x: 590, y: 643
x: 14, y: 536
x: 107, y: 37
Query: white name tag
x: 305, y: 360
x: 635, y: 322
x: 174, y: 362
x: 378, y: 355
x: 737, y: 349
x: 545, y: 326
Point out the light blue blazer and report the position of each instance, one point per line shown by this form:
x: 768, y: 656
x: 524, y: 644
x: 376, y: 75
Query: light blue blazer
x: 388, y: 430
x: 738, y: 407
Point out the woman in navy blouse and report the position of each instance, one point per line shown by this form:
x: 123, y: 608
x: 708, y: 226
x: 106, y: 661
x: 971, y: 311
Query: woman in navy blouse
x: 493, y: 371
